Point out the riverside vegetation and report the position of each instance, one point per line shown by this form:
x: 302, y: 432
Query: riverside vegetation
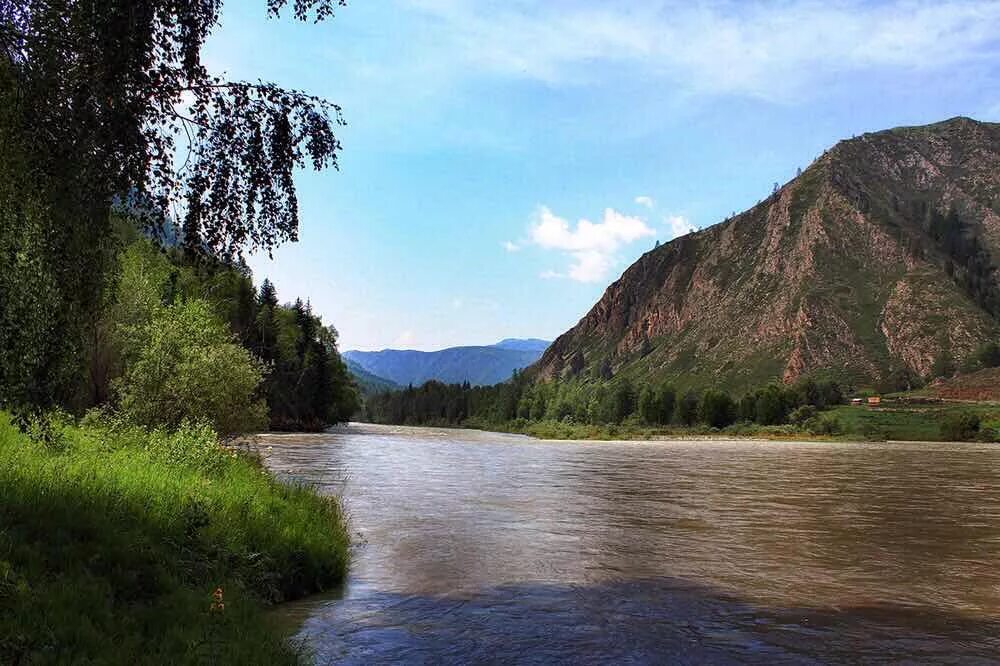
x: 136, y: 347
x: 618, y: 409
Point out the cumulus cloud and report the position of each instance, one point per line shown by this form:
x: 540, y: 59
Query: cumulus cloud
x: 678, y: 225
x: 645, y: 202
x: 590, y: 245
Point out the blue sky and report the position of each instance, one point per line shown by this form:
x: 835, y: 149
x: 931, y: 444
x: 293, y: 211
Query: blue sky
x: 505, y: 161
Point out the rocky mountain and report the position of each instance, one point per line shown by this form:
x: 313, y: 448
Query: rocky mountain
x: 477, y: 365
x: 877, y: 260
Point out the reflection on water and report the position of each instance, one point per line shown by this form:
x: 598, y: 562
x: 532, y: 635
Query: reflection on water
x: 484, y: 547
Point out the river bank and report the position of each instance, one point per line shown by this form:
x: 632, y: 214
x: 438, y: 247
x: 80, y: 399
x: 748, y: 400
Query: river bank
x: 119, y: 545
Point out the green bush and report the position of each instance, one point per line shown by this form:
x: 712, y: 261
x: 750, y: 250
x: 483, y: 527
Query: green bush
x: 823, y: 424
x: 187, y: 368
x: 960, y: 426
x: 802, y: 414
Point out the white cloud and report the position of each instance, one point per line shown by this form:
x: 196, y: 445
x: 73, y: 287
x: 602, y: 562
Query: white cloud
x: 678, y: 225
x: 551, y: 275
x: 591, y: 245
x: 510, y: 246
x: 766, y: 50
x: 646, y: 202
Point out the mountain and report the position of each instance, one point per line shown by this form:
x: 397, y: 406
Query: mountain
x: 369, y: 383
x: 525, y: 344
x: 877, y: 260
x: 477, y: 365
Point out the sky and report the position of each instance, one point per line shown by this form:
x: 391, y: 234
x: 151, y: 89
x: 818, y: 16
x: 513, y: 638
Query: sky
x: 504, y: 162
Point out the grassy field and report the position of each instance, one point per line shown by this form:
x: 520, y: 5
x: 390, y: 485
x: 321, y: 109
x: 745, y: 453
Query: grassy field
x: 910, y: 422
x: 113, y: 540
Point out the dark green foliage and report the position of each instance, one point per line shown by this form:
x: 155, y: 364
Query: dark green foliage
x: 716, y: 409
x: 988, y: 356
x: 772, y: 405
x: 960, y: 426
x: 308, y: 386
x: 968, y: 261
x: 667, y: 401
x: 686, y: 410
x: 649, y: 408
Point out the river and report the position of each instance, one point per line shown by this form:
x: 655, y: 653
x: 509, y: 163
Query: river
x: 492, y: 548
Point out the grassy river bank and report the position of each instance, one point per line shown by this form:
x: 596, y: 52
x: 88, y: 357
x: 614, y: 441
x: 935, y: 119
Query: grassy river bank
x: 115, y: 540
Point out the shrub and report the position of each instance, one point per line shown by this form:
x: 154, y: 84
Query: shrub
x: 187, y: 368
x: 960, y: 426
x: 823, y: 424
x: 802, y: 414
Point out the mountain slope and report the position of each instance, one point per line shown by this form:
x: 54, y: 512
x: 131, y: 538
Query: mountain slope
x: 369, y: 383
x: 874, y: 261
x: 477, y: 365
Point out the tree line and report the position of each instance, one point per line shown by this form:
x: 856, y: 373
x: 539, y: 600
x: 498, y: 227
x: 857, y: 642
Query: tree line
x: 603, y: 403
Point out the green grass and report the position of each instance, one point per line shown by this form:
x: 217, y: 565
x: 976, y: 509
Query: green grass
x: 905, y: 423
x: 910, y: 423
x: 113, y: 539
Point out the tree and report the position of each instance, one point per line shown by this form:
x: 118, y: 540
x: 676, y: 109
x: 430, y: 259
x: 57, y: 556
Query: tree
x: 686, y: 411
x: 666, y: 399
x: 96, y: 98
x: 716, y: 409
x: 772, y: 406
x: 576, y: 363
x: 649, y: 408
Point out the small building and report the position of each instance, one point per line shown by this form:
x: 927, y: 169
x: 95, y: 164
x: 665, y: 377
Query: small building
x: 874, y: 401
x: 856, y: 402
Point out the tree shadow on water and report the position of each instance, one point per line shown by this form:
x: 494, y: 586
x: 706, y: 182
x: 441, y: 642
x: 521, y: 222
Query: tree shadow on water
x: 648, y: 621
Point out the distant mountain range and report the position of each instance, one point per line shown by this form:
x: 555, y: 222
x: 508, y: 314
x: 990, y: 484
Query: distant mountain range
x: 877, y: 262
x: 477, y: 365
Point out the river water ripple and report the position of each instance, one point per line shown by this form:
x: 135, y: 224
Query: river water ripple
x: 490, y: 548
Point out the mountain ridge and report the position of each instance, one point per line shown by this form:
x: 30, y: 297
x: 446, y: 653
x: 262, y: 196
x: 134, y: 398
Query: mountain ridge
x: 476, y: 364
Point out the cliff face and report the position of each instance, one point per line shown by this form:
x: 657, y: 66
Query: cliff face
x: 874, y: 260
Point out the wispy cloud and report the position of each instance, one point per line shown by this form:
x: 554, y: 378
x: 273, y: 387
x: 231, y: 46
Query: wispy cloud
x: 510, y: 246
x: 645, y: 201
x: 590, y: 245
x: 765, y: 50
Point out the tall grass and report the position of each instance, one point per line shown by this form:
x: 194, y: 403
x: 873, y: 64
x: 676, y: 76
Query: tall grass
x: 113, y: 539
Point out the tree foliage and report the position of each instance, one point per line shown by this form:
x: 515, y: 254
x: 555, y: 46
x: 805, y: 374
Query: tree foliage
x: 186, y: 367
x: 107, y: 105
